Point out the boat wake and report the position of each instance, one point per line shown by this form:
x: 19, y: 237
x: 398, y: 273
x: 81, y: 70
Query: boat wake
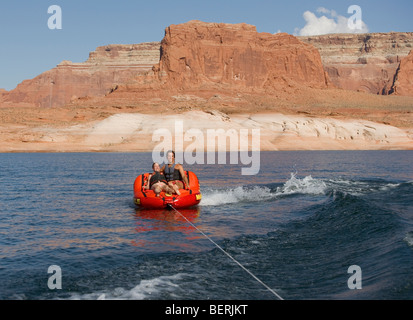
x: 293, y: 186
x: 146, y: 289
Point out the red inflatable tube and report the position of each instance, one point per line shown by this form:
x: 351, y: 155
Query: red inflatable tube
x: 147, y: 199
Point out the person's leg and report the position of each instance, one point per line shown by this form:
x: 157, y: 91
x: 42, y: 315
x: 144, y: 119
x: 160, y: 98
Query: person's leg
x: 179, y: 183
x: 167, y: 189
x: 157, y: 189
x: 174, y: 186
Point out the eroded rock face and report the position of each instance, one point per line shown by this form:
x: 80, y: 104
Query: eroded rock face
x: 363, y: 62
x: 198, y: 53
x: 226, y: 59
x: 403, y: 84
x: 106, y: 67
x: 2, y: 92
x: 191, y: 55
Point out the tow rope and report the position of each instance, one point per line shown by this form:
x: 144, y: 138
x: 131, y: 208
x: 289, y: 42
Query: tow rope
x: 232, y: 258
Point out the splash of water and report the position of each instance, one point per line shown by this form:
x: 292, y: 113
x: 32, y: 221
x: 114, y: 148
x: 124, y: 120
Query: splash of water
x: 294, y: 185
x: 307, y: 185
x: 145, y: 289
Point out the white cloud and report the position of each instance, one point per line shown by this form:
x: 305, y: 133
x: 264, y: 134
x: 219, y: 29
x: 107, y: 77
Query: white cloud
x: 327, y: 11
x: 329, y: 22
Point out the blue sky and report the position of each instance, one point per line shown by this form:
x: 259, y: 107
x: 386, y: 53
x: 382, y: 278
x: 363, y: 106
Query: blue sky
x: 29, y: 47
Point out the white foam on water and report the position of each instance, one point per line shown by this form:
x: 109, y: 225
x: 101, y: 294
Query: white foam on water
x: 234, y: 195
x: 358, y: 188
x: 307, y: 185
x: 145, y: 289
x: 294, y: 185
x: 409, y: 238
x: 354, y: 188
x: 389, y: 186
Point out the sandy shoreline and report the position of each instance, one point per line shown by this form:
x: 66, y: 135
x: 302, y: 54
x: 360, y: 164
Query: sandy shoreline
x: 202, y: 131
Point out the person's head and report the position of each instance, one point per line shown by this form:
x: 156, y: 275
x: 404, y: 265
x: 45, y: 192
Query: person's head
x: 156, y: 167
x: 170, y: 155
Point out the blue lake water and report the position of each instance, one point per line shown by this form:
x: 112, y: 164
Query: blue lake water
x: 297, y: 226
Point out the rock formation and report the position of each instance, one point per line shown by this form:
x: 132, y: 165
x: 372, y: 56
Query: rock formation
x: 403, y: 84
x: 191, y: 55
x: 226, y: 59
x: 212, y: 75
x: 363, y: 62
x: 2, y: 92
x: 198, y: 54
x: 107, y: 66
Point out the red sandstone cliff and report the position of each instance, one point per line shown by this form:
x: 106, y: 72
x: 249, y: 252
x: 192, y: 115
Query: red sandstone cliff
x: 198, y: 53
x: 226, y: 58
x: 2, y: 92
x: 193, y: 54
x: 106, y: 67
x: 363, y: 62
x: 403, y: 84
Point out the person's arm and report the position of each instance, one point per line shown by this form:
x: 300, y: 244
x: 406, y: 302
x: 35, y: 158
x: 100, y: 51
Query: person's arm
x: 146, y: 186
x: 184, y: 177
